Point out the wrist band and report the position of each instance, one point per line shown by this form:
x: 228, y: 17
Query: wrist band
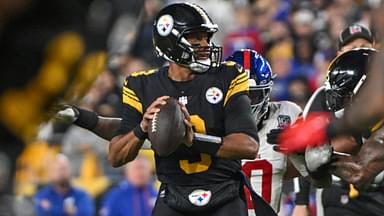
x: 209, y: 147
x: 86, y: 119
x: 139, y: 133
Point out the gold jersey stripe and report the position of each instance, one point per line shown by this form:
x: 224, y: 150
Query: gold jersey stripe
x: 378, y: 125
x: 133, y: 103
x: 129, y: 91
x: 239, y: 77
x: 245, y: 79
x: 143, y: 73
x: 238, y: 83
x: 131, y: 96
x: 240, y: 87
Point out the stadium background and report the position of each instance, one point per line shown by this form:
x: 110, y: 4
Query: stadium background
x: 299, y: 38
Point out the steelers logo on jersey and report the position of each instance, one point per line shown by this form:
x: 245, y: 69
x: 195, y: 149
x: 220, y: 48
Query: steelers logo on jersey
x: 164, y: 25
x: 200, y: 197
x: 214, y: 95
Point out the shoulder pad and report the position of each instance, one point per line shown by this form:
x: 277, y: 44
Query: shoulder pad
x: 144, y: 73
x: 233, y: 64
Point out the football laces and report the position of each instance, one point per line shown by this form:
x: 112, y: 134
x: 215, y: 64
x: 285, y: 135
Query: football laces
x: 154, y: 122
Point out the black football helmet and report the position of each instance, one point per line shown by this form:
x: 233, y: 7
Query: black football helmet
x: 346, y: 74
x: 171, y: 26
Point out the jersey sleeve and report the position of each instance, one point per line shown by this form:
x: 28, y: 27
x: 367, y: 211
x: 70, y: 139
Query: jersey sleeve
x: 238, y: 117
x: 237, y: 81
x: 132, y: 106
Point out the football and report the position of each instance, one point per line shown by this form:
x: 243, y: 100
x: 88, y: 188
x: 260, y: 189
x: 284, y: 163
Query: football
x: 167, y: 130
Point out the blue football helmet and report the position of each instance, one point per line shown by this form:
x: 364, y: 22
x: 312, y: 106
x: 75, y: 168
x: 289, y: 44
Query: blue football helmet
x: 260, y: 79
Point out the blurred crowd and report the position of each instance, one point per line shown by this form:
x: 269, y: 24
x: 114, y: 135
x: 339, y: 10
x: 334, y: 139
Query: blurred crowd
x: 298, y: 37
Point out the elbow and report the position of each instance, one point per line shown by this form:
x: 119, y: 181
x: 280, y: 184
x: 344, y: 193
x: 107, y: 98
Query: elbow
x: 117, y: 161
x: 116, y: 156
x: 252, y: 149
x: 113, y: 161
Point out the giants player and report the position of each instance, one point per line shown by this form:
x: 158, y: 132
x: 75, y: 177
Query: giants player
x: 267, y: 171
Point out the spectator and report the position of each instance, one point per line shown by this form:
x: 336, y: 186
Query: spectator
x: 281, y: 56
x: 245, y: 35
x: 298, y: 91
x: 142, y: 51
x: 136, y: 194
x: 60, y: 198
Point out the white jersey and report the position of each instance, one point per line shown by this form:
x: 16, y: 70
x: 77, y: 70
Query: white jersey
x: 267, y: 170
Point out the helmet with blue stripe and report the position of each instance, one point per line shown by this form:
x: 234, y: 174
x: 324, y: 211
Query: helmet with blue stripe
x: 260, y: 79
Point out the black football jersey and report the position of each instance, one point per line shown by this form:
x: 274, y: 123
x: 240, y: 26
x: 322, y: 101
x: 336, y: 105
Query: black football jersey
x: 206, y: 97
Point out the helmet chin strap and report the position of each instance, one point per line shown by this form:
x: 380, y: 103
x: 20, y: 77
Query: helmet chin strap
x: 200, y: 66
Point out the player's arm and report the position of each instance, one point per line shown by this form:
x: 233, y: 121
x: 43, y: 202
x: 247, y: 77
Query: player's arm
x: 104, y: 127
x: 134, y: 130
x: 346, y: 144
x: 302, y: 187
x: 124, y: 147
x: 241, y: 141
x: 291, y: 171
x: 107, y: 128
x: 361, y: 169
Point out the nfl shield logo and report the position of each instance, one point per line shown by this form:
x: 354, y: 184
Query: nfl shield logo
x: 283, y: 121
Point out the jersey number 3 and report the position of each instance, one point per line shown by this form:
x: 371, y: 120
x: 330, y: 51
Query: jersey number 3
x: 205, y: 160
x: 266, y: 179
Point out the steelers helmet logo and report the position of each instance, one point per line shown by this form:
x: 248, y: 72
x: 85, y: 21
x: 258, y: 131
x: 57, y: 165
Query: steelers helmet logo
x: 214, y: 95
x: 165, y: 25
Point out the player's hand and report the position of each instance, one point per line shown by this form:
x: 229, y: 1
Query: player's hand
x: 150, y: 112
x: 355, y: 173
x: 347, y: 168
x: 309, y: 132
x: 272, y: 138
x: 188, y: 139
x: 67, y: 114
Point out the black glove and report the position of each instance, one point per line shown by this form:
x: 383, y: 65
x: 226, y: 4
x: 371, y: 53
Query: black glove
x: 272, y: 138
x: 273, y: 134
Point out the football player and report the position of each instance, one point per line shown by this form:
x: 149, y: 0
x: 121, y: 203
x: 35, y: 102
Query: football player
x: 346, y: 75
x: 267, y: 171
x: 198, y: 176
x: 365, y: 113
x: 354, y: 36
x: 203, y: 177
